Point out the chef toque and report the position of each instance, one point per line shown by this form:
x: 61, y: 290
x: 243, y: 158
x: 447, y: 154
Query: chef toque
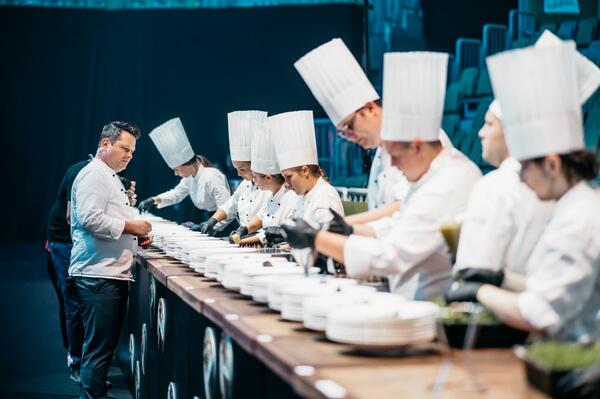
x: 414, y: 87
x: 264, y: 157
x: 172, y: 143
x: 336, y: 79
x: 241, y: 127
x: 294, y: 136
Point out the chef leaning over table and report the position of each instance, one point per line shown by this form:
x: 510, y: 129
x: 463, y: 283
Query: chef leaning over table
x: 205, y: 184
x: 247, y: 199
x: 540, y: 99
x: 504, y: 218
x: 407, y: 247
x: 281, y: 203
x: 340, y: 85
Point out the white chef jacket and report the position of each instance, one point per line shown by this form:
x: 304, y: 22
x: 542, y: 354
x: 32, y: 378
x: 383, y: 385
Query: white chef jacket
x: 99, y: 209
x: 313, y: 207
x: 245, y: 203
x: 562, y: 294
x: 208, y: 190
x: 408, y: 246
x: 386, y: 183
x: 503, y: 222
x: 278, y: 209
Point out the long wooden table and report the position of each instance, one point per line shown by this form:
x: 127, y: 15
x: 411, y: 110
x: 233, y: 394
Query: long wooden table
x: 314, y: 367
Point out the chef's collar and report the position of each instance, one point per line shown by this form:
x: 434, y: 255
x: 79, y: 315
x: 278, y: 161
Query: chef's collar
x: 105, y: 166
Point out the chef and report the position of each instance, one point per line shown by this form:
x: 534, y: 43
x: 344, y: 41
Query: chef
x: 205, y: 184
x: 505, y: 218
x: 296, y: 148
x: 407, y: 247
x: 247, y: 199
x: 540, y: 100
x: 281, y: 204
x: 339, y: 84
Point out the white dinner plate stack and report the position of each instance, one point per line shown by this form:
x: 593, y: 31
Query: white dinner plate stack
x: 261, y: 285
x: 232, y: 272
x: 183, y: 250
x: 295, y: 294
x: 384, y: 324
x: 277, y: 289
x: 198, y: 256
x: 316, y: 309
x: 173, y: 246
x: 214, y: 263
x: 249, y: 275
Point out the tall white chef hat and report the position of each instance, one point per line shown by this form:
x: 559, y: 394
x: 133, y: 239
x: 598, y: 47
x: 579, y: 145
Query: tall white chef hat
x: 294, y: 136
x: 264, y: 156
x: 538, y: 92
x: 414, y: 87
x: 241, y: 126
x: 588, y: 74
x: 172, y: 143
x: 336, y: 79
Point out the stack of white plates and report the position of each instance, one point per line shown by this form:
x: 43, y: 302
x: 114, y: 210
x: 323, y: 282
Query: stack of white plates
x: 295, y: 294
x: 198, y: 256
x: 261, y: 285
x: 248, y: 275
x: 381, y: 324
x: 214, y: 263
x: 316, y: 309
x: 232, y: 272
x: 277, y: 289
x: 182, y: 250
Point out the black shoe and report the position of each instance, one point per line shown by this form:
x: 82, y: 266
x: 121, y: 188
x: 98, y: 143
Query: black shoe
x: 74, y: 377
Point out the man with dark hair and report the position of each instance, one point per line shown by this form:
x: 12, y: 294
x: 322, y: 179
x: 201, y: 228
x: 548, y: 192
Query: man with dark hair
x: 105, y: 238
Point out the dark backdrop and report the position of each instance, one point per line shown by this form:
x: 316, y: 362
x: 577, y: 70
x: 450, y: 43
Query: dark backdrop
x: 445, y: 21
x: 65, y: 73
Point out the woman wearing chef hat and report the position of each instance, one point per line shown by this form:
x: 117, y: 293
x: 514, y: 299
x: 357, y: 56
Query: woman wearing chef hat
x: 247, y: 199
x: 293, y: 134
x: 541, y: 106
x: 407, y: 247
x: 504, y: 218
x: 280, y: 206
x: 206, y: 185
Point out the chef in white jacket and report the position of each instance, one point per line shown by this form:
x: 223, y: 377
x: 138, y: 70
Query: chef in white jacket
x: 408, y: 247
x: 296, y: 148
x: 280, y: 205
x: 340, y: 85
x: 504, y: 218
x: 247, y: 198
x: 206, y: 186
x: 538, y: 92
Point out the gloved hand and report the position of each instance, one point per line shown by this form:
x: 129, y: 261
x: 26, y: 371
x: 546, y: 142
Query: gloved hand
x: 338, y: 224
x: 462, y: 292
x: 205, y: 227
x: 147, y: 204
x: 481, y: 276
x: 274, y: 235
x: 187, y: 224
x: 240, y: 232
x: 300, y: 235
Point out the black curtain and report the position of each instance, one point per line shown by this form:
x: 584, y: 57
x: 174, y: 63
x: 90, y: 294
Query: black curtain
x: 66, y: 72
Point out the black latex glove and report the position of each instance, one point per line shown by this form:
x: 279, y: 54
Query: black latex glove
x: 300, y: 235
x: 338, y: 224
x: 146, y: 204
x: 205, y: 227
x: 241, y: 231
x: 462, y: 292
x: 274, y: 235
x: 481, y: 276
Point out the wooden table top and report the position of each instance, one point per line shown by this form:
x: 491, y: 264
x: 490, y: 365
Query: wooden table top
x: 318, y: 368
